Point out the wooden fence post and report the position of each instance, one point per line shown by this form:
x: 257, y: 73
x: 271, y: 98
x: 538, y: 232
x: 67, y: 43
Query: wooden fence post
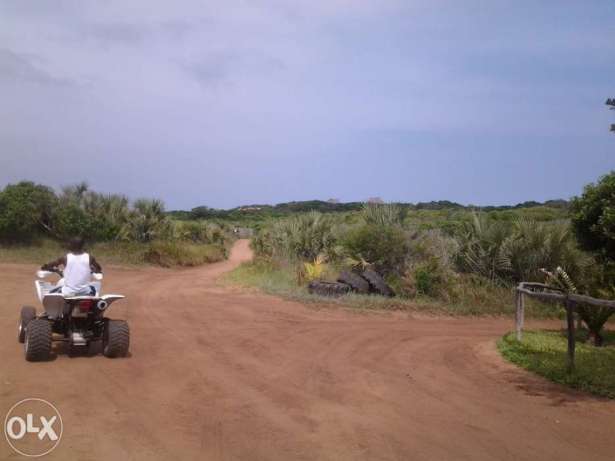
x: 519, y: 313
x: 571, y: 334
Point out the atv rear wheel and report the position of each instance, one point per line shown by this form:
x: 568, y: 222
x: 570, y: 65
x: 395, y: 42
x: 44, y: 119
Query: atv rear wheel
x: 28, y: 313
x: 38, y: 340
x: 116, y: 338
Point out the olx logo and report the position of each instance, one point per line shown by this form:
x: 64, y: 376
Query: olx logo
x: 33, y: 427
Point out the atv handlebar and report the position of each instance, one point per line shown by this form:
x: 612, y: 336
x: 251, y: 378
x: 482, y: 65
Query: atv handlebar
x: 41, y: 274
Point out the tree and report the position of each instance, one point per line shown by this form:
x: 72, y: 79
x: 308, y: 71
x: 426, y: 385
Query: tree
x: 26, y: 209
x: 593, y: 217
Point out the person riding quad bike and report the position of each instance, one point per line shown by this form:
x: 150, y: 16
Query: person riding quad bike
x: 74, y: 310
x: 78, y: 267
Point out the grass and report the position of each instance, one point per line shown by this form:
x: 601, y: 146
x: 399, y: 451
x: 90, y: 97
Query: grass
x: 473, y: 300
x: 544, y: 353
x: 160, y: 253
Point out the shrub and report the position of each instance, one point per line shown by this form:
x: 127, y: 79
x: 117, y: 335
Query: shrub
x: 481, y: 248
x: 300, y: 238
x: 95, y: 216
x: 429, y: 269
x: 147, y: 222
x: 383, y: 246
x: 593, y: 220
x: 517, y: 251
x: 593, y: 217
x: 533, y: 246
x: 25, y: 211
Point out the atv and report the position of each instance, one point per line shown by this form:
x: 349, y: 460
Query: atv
x: 76, y: 320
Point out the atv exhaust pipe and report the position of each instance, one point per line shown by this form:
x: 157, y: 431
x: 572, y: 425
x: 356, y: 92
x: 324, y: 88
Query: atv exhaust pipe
x: 102, y: 304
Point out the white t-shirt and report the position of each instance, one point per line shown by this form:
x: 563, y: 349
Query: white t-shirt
x: 77, y: 275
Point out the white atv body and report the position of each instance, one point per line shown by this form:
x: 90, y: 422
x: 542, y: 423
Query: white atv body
x: 76, y: 320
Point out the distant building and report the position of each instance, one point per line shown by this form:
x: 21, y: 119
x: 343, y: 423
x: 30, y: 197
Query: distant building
x: 333, y: 201
x: 376, y: 200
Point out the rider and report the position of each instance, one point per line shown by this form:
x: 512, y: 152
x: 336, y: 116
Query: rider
x: 78, y: 266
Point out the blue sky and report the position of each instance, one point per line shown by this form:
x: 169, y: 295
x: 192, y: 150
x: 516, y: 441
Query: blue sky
x: 229, y: 103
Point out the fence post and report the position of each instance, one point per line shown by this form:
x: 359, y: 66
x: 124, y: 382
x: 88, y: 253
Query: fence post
x: 571, y: 334
x: 519, y: 313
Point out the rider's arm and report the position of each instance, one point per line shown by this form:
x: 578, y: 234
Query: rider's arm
x: 96, y: 268
x: 61, y: 261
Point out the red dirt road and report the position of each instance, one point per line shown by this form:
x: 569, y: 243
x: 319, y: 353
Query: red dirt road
x: 217, y: 373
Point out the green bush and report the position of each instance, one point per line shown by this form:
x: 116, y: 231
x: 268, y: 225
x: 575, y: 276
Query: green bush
x: 593, y: 217
x: 147, y: 222
x: 512, y: 252
x: 94, y: 216
x: 532, y: 246
x: 300, y: 238
x: 429, y: 266
x: 481, y: 248
x: 383, y: 246
x: 25, y: 211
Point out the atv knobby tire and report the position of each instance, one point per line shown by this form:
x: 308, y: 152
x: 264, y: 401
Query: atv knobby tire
x: 356, y: 282
x: 328, y: 288
x: 28, y: 313
x: 38, y: 340
x: 116, y: 338
x: 377, y: 283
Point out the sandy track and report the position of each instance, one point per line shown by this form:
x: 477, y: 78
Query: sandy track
x: 223, y: 374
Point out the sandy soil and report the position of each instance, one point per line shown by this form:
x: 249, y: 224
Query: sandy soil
x: 218, y: 373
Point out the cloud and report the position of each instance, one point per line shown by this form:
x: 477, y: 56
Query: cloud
x: 19, y: 68
x: 227, y: 92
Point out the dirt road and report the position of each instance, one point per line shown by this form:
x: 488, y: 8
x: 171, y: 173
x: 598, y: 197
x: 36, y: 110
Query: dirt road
x: 217, y: 373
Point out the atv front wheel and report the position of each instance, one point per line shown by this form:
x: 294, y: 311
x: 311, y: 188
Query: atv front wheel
x: 38, y: 340
x: 28, y: 313
x: 116, y: 338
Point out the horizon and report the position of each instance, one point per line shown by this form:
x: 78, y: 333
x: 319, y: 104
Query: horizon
x: 227, y: 104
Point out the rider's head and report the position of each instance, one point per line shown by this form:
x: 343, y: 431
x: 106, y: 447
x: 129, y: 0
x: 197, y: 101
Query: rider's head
x: 76, y: 244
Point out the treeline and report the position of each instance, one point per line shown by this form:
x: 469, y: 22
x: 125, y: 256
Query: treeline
x: 30, y: 211
x: 289, y: 208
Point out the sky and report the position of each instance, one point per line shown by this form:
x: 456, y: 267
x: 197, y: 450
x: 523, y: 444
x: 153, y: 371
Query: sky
x: 224, y: 103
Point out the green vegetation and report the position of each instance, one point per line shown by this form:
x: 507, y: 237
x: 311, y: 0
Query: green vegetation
x: 475, y: 298
x: 426, y: 215
x: 450, y: 260
x: 593, y: 217
x: 469, y: 268
x: 544, y: 353
x: 35, y: 221
x: 593, y: 220
x: 163, y: 253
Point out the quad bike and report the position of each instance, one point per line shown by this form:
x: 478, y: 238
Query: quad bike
x: 76, y: 320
